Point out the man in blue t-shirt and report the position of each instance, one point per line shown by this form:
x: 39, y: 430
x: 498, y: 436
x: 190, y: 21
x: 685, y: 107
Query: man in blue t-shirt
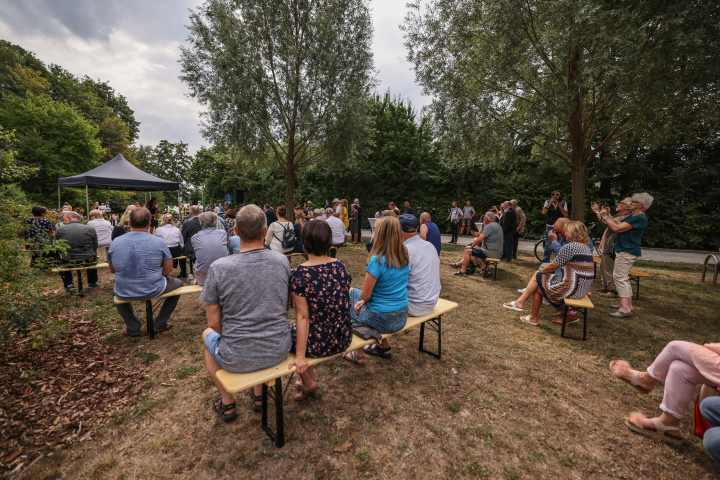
x: 429, y: 231
x: 141, y: 263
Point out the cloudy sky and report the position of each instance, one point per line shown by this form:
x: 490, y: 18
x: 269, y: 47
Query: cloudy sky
x: 135, y: 46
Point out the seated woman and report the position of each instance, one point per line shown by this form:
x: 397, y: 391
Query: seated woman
x: 320, y: 289
x: 274, y: 236
x: 682, y: 366
x: 172, y: 236
x: 382, y: 304
x: 575, y: 262
x: 298, y: 226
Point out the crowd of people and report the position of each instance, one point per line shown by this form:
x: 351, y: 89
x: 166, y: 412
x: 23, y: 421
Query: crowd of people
x: 232, y: 252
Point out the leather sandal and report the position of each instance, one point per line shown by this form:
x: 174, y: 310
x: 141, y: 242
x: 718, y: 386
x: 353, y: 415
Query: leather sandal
x: 634, y: 380
x: 377, y: 350
x: 222, y: 409
x: 660, y: 432
x: 303, y: 394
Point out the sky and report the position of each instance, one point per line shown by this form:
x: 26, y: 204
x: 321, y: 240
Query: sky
x: 134, y: 45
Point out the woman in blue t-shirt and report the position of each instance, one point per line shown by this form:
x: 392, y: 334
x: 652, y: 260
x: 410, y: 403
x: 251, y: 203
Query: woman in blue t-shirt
x: 627, y: 246
x: 382, y: 304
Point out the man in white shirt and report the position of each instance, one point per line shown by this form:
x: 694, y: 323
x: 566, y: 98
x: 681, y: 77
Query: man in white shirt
x: 102, y: 228
x: 337, y: 226
x: 423, y: 280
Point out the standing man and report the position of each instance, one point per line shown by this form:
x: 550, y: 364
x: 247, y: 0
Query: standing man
x: 508, y: 222
x: 337, y: 206
x: 429, y: 231
x: 189, y: 228
x: 269, y: 214
x: 408, y: 210
x: 468, y: 214
x: 356, y: 202
x: 83, y: 243
x: 455, y: 216
x: 520, y: 220
x: 553, y: 209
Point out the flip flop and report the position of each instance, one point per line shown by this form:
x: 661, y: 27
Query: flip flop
x: 620, y: 314
x: 634, y: 380
x: 353, y: 358
x: 660, y: 431
x: 303, y: 394
x: 512, y: 306
x: 526, y: 319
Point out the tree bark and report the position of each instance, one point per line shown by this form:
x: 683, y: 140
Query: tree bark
x: 577, y: 137
x: 290, y: 193
x: 577, y: 210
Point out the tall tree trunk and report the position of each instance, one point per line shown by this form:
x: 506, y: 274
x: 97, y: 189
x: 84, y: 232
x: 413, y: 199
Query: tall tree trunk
x: 577, y: 210
x: 290, y: 193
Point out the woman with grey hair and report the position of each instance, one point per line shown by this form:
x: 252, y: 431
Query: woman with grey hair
x: 627, y: 246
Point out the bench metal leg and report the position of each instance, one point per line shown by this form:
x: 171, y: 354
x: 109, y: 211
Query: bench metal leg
x: 434, y: 324
x: 80, y: 284
x: 564, y: 319
x: 277, y: 395
x: 636, y: 280
x: 149, y: 319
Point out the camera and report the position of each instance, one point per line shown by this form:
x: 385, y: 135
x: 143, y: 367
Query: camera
x: 557, y: 197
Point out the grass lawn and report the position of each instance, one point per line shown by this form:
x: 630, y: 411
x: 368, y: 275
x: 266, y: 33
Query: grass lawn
x: 507, y: 400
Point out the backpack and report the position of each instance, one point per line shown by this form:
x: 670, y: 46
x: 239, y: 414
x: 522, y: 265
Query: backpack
x: 288, y: 237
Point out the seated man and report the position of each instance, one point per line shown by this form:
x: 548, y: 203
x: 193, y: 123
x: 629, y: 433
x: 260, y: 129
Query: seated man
x: 246, y: 296
x: 488, y: 244
x: 429, y: 231
x: 423, y: 288
x: 82, y: 241
x: 141, y: 263
x: 209, y: 244
x: 557, y: 237
x: 102, y: 228
x: 319, y: 214
x: 338, y: 228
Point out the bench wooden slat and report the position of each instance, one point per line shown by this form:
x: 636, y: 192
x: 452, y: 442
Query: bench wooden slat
x: 237, y: 382
x: 579, y: 302
x: 637, y: 273
x: 178, y: 291
x: 99, y: 265
x: 597, y: 259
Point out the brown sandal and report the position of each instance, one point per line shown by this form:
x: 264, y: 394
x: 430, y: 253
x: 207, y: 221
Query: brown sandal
x: 303, y: 394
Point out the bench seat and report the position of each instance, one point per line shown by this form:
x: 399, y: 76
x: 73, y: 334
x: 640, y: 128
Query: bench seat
x: 583, y: 305
x: 494, y: 262
x: 635, y: 276
x: 149, y: 307
x: 86, y: 267
x: 272, y: 376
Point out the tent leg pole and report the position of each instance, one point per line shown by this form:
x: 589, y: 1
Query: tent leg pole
x: 58, y: 198
x: 87, y: 202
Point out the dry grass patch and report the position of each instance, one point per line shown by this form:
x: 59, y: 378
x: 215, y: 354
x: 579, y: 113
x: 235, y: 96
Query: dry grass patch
x: 506, y: 401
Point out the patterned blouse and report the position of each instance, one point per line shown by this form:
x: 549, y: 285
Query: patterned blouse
x: 576, y: 274
x: 327, y: 291
x: 38, y: 229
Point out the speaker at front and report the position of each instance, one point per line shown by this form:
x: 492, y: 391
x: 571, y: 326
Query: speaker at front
x: 239, y: 195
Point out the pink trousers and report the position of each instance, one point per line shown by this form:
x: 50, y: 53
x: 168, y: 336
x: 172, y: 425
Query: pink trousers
x: 675, y: 367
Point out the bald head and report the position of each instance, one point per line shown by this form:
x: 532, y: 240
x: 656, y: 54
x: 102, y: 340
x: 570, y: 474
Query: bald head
x: 425, y: 218
x: 559, y: 225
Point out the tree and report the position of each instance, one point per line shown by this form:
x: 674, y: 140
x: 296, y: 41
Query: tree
x: 571, y: 76
x: 288, y: 76
x: 53, y: 137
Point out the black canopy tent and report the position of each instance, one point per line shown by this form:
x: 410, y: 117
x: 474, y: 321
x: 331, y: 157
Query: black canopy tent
x: 117, y: 174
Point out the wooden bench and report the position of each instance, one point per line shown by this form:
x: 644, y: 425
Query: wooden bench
x: 635, y: 276
x: 580, y: 304
x: 596, y: 261
x: 271, y: 378
x: 80, y: 272
x: 150, y: 308
x: 493, y: 262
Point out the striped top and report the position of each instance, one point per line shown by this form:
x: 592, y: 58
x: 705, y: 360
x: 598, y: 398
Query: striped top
x: 576, y: 274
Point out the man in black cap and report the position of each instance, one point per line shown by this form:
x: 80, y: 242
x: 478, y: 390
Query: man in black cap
x: 423, y: 279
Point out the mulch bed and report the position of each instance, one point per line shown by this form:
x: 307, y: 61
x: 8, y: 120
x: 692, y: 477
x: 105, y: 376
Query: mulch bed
x: 55, y: 395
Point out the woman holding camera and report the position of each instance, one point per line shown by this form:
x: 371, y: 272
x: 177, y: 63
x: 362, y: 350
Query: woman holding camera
x: 627, y: 246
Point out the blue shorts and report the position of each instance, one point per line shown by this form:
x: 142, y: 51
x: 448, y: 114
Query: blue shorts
x: 212, y: 342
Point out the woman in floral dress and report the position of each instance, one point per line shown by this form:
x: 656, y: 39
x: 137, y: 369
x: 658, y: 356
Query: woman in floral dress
x: 320, y: 289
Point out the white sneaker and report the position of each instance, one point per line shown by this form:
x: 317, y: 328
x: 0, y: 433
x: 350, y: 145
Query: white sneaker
x: 522, y: 290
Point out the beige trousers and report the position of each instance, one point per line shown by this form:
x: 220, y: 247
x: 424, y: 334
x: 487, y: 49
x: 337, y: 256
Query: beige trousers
x: 606, y: 271
x: 623, y: 264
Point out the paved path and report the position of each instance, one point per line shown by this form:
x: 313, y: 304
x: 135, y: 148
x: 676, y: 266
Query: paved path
x: 655, y: 254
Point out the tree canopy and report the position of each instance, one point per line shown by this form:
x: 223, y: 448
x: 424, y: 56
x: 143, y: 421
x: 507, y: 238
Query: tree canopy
x: 572, y: 76
x: 289, y: 77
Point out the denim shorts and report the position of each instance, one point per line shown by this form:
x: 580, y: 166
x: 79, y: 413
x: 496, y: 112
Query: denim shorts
x: 212, y: 342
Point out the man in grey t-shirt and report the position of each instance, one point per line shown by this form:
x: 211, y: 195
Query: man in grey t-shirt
x: 488, y: 244
x: 468, y: 215
x: 246, y: 296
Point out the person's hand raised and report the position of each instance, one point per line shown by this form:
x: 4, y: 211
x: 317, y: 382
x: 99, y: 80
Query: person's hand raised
x: 552, y: 236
